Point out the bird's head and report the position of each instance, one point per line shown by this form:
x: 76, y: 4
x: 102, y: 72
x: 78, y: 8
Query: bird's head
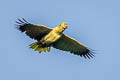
x: 63, y: 26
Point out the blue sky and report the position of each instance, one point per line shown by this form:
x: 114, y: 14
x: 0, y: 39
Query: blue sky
x: 95, y: 23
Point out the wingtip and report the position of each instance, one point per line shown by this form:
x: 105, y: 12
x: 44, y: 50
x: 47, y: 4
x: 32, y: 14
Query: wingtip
x: 89, y: 54
x: 20, y: 23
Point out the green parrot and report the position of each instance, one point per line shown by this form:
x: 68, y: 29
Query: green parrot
x: 48, y: 37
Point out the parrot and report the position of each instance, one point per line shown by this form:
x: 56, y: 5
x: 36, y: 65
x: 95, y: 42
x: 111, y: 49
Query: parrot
x: 53, y: 37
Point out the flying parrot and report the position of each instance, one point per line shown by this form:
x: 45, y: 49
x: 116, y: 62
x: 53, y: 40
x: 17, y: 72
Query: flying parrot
x: 53, y: 37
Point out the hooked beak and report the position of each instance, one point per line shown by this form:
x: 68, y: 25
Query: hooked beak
x: 65, y: 27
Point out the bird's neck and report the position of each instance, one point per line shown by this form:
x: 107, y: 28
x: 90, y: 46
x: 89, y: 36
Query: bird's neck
x: 58, y: 30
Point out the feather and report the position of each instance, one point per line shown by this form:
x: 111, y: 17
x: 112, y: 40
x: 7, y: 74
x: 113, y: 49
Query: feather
x: 66, y: 43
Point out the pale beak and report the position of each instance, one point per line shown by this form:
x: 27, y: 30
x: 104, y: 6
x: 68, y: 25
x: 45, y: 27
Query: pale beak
x: 66, y: 26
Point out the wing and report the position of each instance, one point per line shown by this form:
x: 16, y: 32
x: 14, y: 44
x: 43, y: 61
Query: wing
x: 33, y: 31
x: 69, y: 44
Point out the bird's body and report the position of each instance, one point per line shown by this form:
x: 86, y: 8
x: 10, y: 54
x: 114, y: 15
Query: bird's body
x: 51, y: 37
x: 47, y: 38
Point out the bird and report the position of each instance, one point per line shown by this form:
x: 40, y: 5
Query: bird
x: 53, y: 37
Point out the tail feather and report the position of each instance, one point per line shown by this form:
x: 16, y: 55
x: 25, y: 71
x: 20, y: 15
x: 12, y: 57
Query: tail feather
x: 39, y: 48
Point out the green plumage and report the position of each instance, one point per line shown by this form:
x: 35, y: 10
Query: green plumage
x: 48, y: 37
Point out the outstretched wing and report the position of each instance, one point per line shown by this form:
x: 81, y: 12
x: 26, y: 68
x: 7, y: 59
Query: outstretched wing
x: 33, y: 31
x: 69, y: 44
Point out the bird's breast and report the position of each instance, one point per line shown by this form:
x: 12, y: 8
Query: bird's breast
x: 51, y: 37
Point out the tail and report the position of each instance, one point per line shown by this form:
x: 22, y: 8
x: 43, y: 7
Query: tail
x: 39, y: 48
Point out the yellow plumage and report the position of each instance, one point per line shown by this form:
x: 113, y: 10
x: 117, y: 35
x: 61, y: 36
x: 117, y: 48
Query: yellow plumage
x: 47, y: 38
